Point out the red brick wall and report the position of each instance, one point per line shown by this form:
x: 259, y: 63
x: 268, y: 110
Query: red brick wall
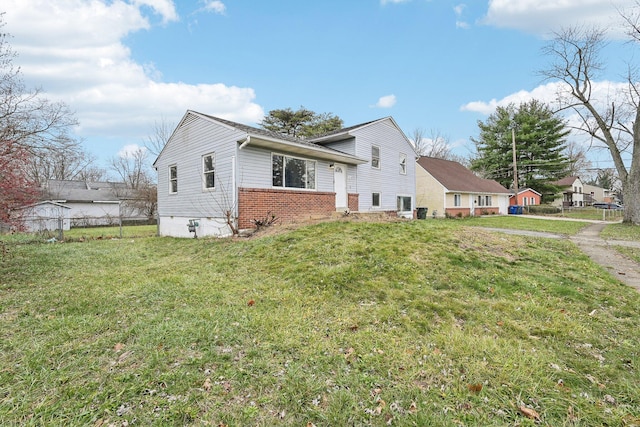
x: 456, y: 211
x: 486, y: 211
x: 353, y: 202
x: 286, y: 205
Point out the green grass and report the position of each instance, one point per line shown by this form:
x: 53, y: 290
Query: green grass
x: 345, y: 323
x: 522, y: 222
x: 591, y: 213
x: 621, y: 232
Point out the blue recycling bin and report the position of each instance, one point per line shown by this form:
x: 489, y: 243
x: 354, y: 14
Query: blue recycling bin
x: 515, y: 210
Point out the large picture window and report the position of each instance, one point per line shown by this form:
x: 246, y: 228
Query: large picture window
x: 208, y: 171
x: 292, y: 172
x: 173, y: 179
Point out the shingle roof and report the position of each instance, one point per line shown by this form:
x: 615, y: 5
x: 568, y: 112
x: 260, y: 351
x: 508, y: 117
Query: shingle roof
x: 84, y: 191
x: 566, y: 182
x: 455, y: 177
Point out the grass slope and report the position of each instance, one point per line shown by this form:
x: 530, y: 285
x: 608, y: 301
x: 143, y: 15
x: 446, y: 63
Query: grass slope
x: 343, y: 323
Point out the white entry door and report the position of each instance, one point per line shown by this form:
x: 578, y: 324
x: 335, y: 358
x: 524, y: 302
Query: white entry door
x: 340, y: 185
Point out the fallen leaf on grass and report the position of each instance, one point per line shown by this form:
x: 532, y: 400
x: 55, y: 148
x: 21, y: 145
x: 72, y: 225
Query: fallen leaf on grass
x: 118, y: 347
x: 251, y: 303
x: 475, y: 388
x: 413, y: 408
x: 529, y: 413
x: 207, y: 385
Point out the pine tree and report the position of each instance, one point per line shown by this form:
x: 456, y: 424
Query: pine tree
x: 540, y: 140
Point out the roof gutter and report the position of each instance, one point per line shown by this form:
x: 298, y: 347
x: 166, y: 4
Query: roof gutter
x: 245, y: 142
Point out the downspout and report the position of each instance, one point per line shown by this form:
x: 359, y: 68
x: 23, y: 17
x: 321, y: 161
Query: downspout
x: 245, y: 142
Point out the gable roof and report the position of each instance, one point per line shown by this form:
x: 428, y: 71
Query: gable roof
x: 566, y: 182
x: 273, y: 140
x: 524, y: 190
x: 343, y: 133
x: 84, y: 191
x: 455, y: 177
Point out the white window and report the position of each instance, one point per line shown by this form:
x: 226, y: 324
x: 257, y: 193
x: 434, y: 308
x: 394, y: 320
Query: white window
x: 375, y: 157
x: 533, y: 201
x: 484, y: 201
x: 457, y: 200
x: 403, y: 164
x: 292, y: 172
x: 404, y: 203
x: 208, y: 171
x: 173, y: 179
x: 375, y: 200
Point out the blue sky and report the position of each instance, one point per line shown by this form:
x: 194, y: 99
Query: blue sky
x: 439, y: 65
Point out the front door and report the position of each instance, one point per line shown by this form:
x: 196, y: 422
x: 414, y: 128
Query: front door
x: 340, y: 186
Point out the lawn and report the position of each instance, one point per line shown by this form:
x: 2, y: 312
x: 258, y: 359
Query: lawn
x: 523, y: 222
x: 344, y: 323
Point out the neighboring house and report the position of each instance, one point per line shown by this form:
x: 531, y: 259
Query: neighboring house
x: 219, y: 173
x: 46, y: 216
x: 447, y: 188
x: 525, y: 197
x: 572, y: 192
x: 597, y: 194
x: 90, y: 203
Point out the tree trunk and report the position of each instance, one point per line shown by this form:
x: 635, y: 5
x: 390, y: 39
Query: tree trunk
x: 631, y: 197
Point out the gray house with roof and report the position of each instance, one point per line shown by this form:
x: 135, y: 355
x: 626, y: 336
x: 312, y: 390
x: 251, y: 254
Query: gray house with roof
x: 216, y: 173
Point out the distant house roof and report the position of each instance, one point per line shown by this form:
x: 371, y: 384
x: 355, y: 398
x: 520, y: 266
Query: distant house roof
x: 70, y: 191
x: 455, y: 177
x: 524, y: 190
x: 566, y: 182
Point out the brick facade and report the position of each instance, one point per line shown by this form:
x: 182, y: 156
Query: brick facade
x: 353, y: 201
x: 286, y: 205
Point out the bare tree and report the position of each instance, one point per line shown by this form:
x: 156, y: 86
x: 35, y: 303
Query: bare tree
x: 615, y: 122
x: 66, y: 161
x: 435, y: 144
x: 131, y: 168
x: 161, y: 133
x: 26, y: 117
x: 579, y: 164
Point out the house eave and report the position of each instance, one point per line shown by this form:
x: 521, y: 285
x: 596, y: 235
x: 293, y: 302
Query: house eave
x: 316, y: 152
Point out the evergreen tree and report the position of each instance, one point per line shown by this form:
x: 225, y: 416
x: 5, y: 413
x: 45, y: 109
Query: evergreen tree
x: 300, y: 123
x: 540, y: 140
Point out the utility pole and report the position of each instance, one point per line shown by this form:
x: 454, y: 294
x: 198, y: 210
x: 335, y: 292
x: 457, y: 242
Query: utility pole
x: 515, y: 166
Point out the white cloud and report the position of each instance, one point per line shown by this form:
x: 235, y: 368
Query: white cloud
x: 128, y: 151
x: 164, y: 8
x: 549, y: 93
x: 545, y: 16
x: 215, y: 6
x: 83, y: 61
x: 386, y: 101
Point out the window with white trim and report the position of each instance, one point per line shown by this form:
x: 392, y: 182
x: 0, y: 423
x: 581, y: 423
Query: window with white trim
x: 457, y: 200
x: 403, y: 164
x: 173, y: 179
x: 208, y: 171
x: 375, y: 157
x: 293, y: 172
x: 484, y: 201
x: 404, y: 203
x: 375, y: 200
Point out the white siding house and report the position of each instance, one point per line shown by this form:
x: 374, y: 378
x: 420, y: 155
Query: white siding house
x: 46, y: 216
x: 215, y: 173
